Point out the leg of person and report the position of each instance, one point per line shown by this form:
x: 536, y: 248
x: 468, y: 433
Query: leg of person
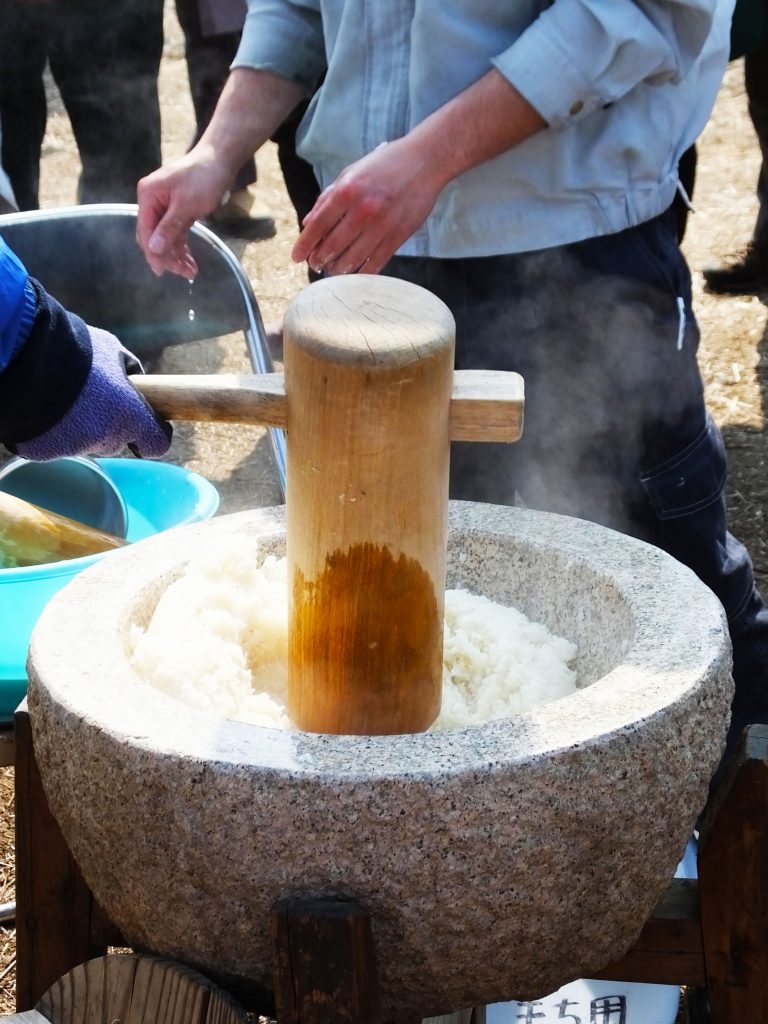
x: 616, y: 429
x: 23, y: 45
x: 750, y: 273
x: 666, y: 452
x: 756, y: 80
x: 106, y: 60
x: 208, y: 60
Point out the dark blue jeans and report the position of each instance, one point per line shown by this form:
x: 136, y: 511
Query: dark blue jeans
x: 616, y: 430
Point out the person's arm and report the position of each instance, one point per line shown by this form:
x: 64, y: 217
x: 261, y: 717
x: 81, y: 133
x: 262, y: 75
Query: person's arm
x: 374, y: 205
x: 252, y: 106
x: 63, y: 385
x: 576, y: 57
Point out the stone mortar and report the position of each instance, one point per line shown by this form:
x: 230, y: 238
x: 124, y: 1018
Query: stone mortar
x: 497, y: 862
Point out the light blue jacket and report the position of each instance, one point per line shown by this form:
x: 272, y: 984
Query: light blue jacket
x: 17, y: 305
x: 625, y: 86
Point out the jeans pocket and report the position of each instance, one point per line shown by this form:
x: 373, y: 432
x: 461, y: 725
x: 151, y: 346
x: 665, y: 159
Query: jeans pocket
x: 691, y: 480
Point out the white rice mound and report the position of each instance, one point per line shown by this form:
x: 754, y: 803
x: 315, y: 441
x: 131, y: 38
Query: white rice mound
x: 218, y: 640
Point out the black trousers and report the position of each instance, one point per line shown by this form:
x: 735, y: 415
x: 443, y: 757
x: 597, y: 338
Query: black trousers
x: 105, y: 59
x: 208, y: 61
x: 756, y: 83
x: 616, y: 430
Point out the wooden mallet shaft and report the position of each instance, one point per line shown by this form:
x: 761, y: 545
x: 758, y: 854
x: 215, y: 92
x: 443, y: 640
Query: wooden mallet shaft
x: 368, y: 374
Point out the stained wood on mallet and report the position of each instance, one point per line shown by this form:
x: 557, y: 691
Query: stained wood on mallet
x: 368, y: 377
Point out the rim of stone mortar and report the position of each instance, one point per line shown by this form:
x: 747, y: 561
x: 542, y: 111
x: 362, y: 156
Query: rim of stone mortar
x: 83, y: 660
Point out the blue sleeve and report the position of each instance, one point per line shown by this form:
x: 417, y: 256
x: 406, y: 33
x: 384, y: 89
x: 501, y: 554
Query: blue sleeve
x: 17, y: 305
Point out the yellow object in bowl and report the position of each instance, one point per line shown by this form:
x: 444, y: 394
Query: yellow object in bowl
x: 30, y: 535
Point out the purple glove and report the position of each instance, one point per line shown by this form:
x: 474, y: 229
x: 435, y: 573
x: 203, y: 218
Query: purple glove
x: 108, y: 413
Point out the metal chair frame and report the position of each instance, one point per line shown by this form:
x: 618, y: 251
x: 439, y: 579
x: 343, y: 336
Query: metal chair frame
x: 67, y: 249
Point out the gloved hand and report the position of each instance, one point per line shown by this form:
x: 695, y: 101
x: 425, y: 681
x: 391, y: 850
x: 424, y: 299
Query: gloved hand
x: 107, y: 415
x: 66, y: 392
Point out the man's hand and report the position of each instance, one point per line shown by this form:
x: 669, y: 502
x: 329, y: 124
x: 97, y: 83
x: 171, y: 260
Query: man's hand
x: 360, y: 221
x: 252, y: 106
x: 376, y: 203
x: 170, y: 200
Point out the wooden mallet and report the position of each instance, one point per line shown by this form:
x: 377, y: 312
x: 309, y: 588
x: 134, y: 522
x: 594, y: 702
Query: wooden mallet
x: 370, y: 403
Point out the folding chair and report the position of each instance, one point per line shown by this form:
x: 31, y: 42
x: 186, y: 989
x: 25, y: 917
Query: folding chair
x: 88, y: 259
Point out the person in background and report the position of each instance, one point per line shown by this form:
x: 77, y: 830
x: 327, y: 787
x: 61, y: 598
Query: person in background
x: 7, y: 198
x: 520, y: 161
x: 748, y: 273
x: 212, y: 31
x: 211, y: 36
x: 64, y: 388
x: 105, y: 59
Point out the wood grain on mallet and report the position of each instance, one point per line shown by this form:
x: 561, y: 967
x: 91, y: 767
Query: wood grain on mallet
x: 486, y: 405
x: 368, y: 367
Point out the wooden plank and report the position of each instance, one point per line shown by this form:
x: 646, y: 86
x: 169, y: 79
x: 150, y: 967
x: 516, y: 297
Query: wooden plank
x: 487, y: 405
x: 669, y: 950
x: 136, y: 989
x: 7, y: 746
x: 325, y: 967
x: 733, y: 875
x: 166, y: 996
x: 53, y: 903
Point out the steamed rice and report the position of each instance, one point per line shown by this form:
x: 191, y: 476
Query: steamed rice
x: 218, y: 641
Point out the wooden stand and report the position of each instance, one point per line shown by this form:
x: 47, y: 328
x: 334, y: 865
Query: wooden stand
x: 134, y: 990
x: 711, y: 934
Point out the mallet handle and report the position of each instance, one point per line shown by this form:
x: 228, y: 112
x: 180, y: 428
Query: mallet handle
x: 486, y: 405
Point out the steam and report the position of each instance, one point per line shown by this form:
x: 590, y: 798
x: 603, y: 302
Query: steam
x: 603, y: 358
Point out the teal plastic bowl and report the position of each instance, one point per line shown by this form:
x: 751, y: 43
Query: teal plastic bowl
x: 158, y: 495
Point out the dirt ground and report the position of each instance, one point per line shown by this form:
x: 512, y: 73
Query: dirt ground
x: 733, y: 358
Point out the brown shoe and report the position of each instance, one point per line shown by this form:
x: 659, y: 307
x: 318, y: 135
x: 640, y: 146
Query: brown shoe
x: 744, y: 276
x: 243, y: 215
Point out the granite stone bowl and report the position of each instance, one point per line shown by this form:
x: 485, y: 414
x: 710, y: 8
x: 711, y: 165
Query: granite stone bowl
x: 497, y: 862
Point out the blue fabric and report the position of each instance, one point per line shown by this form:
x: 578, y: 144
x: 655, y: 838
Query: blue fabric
x: 63, y: 385
x: 616, y: 430
x: 47, y: 374
x: 16, y: 305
